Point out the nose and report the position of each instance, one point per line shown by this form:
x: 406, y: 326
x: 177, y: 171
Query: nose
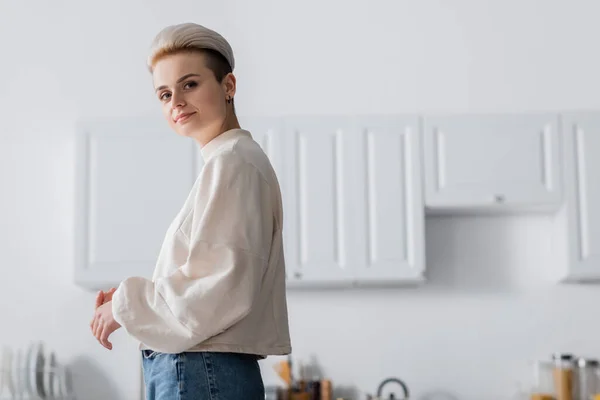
x: 177, y: 100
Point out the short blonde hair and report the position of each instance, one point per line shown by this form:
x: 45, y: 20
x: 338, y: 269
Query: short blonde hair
x: 193, y: 37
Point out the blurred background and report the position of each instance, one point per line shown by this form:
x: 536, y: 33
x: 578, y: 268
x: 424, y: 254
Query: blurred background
x: 491, y: 302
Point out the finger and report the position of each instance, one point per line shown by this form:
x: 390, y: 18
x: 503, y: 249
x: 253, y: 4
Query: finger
x: 99, y: 299
x: 109, y: 295
x: 99, y: 337
x: 96, y: 326
x: 98, y: 334
x: 95, y: 330
x: 104, y: 338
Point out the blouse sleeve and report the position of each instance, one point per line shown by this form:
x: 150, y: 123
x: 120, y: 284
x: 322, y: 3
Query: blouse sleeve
x: 229, y: 247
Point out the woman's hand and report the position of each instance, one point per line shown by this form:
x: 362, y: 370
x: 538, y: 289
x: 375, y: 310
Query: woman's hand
x: 104, y: 324
x: 104, y: 297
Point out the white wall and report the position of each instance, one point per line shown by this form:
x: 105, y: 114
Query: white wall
x: 469, y: 331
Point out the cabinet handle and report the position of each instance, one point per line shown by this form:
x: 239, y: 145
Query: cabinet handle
x: 499, y: 198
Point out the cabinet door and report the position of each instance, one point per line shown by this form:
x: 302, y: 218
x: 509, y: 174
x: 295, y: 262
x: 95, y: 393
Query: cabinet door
x: 355, y: 204
x: 133, y: 176
x: 387, y: 217
x: 318, y: 187
x: 581, y: 133
x: 487, y: 161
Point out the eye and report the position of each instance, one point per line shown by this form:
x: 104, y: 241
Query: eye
x: 190, y: 85
x: 164, y: 96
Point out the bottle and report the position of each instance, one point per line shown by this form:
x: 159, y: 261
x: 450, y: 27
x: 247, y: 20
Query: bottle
x: 563, y: 375
x: 587, y: 384
x: 315, y: 389
x: 326, y: 390
x: 543, y: 381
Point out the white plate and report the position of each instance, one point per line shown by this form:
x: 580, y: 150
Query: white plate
x: 56, y: 384
x: 36, y: 370
x: 49, y: 372
x: 25, y: 370
x: 17, y: 377
x: 7, y: 370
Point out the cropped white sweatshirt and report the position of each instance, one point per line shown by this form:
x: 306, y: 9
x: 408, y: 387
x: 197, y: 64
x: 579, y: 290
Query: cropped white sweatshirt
x: 219, y: 281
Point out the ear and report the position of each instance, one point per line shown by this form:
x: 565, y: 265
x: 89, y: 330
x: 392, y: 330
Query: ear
x: 229, y: 85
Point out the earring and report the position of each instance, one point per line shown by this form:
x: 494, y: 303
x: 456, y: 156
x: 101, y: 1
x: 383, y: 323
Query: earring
x: 229, y: 100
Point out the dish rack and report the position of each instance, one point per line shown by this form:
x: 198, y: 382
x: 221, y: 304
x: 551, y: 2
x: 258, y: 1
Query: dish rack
x: 33, y: 373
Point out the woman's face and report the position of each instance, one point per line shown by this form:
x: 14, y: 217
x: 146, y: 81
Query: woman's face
x: 191, y: 97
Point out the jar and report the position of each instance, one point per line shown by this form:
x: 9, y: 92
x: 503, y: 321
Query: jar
x: 543, y: 381
x: 588, y: 384
x: 563, y: 371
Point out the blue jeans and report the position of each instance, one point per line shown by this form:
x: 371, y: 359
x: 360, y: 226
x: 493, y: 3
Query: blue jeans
x: 202, y: 376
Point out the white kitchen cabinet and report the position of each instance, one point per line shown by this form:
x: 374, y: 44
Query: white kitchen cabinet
x: 132, y: 177
x: 581, y: 140
x: 351, y: 188
x: 354, y: 206
x: 388, y: 229
x: 492, y: 162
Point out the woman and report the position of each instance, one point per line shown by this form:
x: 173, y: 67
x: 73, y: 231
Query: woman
x: 216, y: 302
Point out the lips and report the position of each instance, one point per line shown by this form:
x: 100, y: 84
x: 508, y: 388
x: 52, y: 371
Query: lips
x: 182, y: 117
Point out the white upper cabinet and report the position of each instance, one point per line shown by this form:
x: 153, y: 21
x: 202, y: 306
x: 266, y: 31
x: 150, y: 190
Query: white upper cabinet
x: 133, y: 175
x: 354, y: 206
x: 317, y: 190
x: 492, y: 162
x: 354, y: 190
x: 351, y: 190
x: 581, y: 138
x: 388, y: 224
